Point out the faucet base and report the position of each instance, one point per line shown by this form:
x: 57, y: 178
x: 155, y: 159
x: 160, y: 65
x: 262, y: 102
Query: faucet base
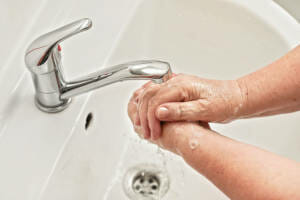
x: 55, y: 109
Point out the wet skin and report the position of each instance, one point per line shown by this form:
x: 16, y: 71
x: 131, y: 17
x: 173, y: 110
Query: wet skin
x: 168, y: 115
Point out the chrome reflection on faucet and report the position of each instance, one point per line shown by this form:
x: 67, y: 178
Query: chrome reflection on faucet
x: 53, y: 92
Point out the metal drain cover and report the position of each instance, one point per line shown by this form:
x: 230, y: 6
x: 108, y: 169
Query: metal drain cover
x: 145, y: 182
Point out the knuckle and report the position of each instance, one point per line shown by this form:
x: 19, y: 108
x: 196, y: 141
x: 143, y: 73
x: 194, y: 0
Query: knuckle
x: 152, y: 103
x: 173, y: 80
x: 147, y: 93
x: 179, y: 112
x: 181, y: 92
x: 136, y: 93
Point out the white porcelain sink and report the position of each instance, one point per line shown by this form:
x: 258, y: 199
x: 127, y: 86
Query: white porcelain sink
x: 54, y: 156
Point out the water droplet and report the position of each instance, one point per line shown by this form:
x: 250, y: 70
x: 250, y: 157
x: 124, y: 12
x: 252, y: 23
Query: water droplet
x: 193, y: 144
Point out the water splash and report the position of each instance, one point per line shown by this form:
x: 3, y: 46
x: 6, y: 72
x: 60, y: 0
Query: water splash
x: 162, y: 155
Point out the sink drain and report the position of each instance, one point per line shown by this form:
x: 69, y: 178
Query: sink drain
x: 146, y: 182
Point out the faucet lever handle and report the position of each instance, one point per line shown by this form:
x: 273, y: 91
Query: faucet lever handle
x: 39, y: 50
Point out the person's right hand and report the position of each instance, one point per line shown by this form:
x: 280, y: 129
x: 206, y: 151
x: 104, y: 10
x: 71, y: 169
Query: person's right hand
x: 176, y: 136
x: 187, y: 98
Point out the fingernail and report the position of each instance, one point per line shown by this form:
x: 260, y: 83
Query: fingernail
x: 162, y: 112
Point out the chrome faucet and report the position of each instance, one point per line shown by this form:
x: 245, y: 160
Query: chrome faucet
x: 53, y: 92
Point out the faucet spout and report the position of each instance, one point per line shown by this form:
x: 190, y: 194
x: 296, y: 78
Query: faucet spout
x: 53, y: 93
x: 157, y: 71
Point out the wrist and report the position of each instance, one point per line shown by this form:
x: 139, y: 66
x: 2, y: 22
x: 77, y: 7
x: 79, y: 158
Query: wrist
x: 172, y: 135
x: 189, y: 137
x: 243, y: 107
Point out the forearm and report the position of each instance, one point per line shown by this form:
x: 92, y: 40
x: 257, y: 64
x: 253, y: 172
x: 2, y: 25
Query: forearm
x: 241, y: 171
x: 274, y: 89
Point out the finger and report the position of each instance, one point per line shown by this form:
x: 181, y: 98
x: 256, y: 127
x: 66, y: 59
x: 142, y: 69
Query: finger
x: 132, y: 109
x: 132, y: 113
x: 162, y: 96
x: 137, y: 93
x: 137, y: 120
x: 143, y: 107
x: 169, y: 91
x: 138, y: 130
x: 154, y: 124
x: 136, y: 96
x: 140, y: 90
x: 181, y: 111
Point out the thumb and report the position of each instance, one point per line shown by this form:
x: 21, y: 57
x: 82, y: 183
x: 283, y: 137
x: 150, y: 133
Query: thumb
x: 187, y: 111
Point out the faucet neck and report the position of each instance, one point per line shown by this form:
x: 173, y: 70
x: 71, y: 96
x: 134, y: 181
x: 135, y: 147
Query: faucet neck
x: 54, y: 93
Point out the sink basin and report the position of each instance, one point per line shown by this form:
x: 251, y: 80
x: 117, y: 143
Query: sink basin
x: 85, y: 151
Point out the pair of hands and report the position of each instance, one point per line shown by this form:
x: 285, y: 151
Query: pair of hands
x: 184, y: 98
x: 170, y: 114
